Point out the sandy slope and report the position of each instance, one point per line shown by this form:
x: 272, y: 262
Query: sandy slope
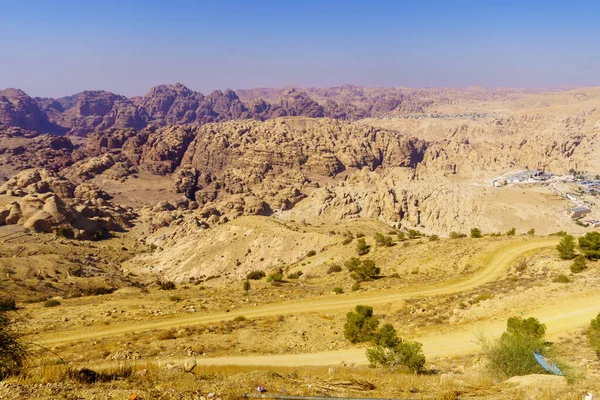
x: 496, y: 263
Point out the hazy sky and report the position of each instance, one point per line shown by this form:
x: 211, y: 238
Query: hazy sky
x: 55, y: 48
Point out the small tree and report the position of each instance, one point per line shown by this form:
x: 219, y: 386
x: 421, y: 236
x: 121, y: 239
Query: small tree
x: 382, y: 240
x: 401, y: 236
x: 593, y: 334
x: 390, y: 351
x: 511, y: 232
x: 566, y: 247
x: 362, y: 247
x: 531, y: 232
x: 475, y: 233
x: 361, y: 324
x: 579, y: 264
x: 590, y: 245
x: 362, y: 271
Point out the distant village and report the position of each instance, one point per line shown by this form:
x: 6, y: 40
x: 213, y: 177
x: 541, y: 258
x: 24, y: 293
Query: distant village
x: 586, y: 186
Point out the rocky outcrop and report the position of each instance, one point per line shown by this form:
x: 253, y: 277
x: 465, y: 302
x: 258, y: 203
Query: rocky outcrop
x: 19, y: 110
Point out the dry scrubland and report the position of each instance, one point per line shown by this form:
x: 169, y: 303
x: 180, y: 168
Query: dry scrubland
x: 148, y: 337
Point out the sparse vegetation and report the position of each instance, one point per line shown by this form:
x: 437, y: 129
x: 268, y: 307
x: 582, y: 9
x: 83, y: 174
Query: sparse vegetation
x: 52, y: 303
x: 434, y: 238
x: 531, y: 232
x: 275, y: 277
x: 382, y: 240
x: 413, y: 234
x: 347, y: 240
x: 561, y: 278
x: 246, y: 286
x: 165, y: 285
x: 13, y: 351
x: 361, y: 324
x: 295, y: 275
x: 338, y: 290
x: 311, y: 253
x: 255, y: 275
x: 476, y: 233
x: 389, y: 351
x: 566, y: 247
x: 456, y: 235
x: 401, y: 236
x: 355, y: 286
x: 362, y: 247
x: 512, y: 354
x: 8, y: 304
x: 511, y: 232
x: 579, y: 264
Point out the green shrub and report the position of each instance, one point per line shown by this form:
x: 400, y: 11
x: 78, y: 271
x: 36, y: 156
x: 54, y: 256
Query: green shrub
x: 361, y: 324
x: 579, y: 264
x: 590, y: 245
x: 512, y: 354
x: 13, y: 352
x: 334, y: 268
x: 52, y: 303
x: 593, y: 334
x: 476, y: 233
x: 511, y: 232
x: 562, y: 278
x: 240, y: 318
x: 390, y: 351
x: 559, y: 233
x: 256, y: 275
x: 382, y: 240
x: 362, y: 271
x: 413, y: 234
x: 246, y: 286
x: 295, y: 275
x: 355, y: 286
x: 311, y: 253
x: 362, y: 247
x: 401, y: 235
x: 275, y: 277
x: 434, y: 238
x: 456, y: 235
x: 338, y: 290
x: 531, y: 232
x: 566, y: 247
x: 7, y: 304
x: 165, y: 285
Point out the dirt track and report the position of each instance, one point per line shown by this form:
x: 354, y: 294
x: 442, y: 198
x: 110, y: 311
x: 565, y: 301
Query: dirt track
x: 495, y: 265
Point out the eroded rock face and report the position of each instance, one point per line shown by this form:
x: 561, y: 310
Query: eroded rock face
x: 19, y: 110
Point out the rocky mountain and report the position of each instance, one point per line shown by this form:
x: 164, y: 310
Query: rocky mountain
x: 17, y: 109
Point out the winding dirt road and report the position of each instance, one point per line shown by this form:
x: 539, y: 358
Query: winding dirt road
x: 495, y: 264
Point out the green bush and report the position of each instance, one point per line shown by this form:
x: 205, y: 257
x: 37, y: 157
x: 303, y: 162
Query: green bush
x: 476, y: 233
x: 165, y: 285
x: 562, y: 278
x: 401, y: 235
x: 413, y: 234
x: 590, y: 245
x: 456, y: 235
x: 390, y: 351
x: 382, y: 240
x: 275, y: 277
x: 295, y: 275
x: 256, y: 275
x: 361, y: 324
x: 338, y: 290
x: 511, y: 232
x: 566, y: 247
x: 434, y: 238
x: 531, y: 232
x: 246, y: 286
x: 8, y: 304
x: 512, y: 354
x: 362, y: 247
x: 593, y: 334
x: 52, y: 303
x: 334, y: 268
x: 355, y: 286
x: 579, y: 264
x: 13, y: 352
x: 362, y: 271
x: 311, y: 253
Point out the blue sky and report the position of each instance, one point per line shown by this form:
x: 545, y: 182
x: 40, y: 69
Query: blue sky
x: 56, y: 48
